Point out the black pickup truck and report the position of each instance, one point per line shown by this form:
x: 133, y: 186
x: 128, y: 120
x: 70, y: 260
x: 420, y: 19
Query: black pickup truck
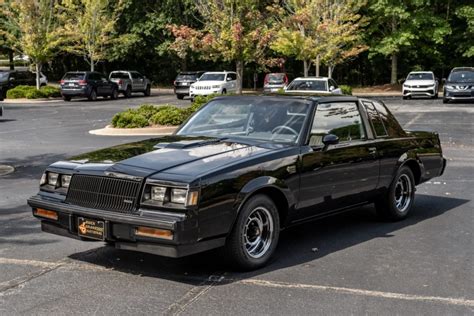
x: 240, y: 170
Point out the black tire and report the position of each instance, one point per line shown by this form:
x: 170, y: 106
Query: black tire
x: 224, y: 91
x: 66, y: 98
x: 92, y: 96
x: 147, y: 91
x: 397, y: 202
x: 114, y: 94
x: 180, y: 96
x: 445, y: 100
x: 405, y: 97
x: 246, y: 231
x: 128, y: 92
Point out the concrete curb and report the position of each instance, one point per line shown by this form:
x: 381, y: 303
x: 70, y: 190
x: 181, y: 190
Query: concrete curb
x: 31, y: 101
x: 147, y: 131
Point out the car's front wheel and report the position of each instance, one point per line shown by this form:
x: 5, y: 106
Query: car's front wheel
x: 114, y: 94
x: 254, y: 236
x: 445, y: 100
x: 147, y: 91
x: 180, y: 96
x: 128, y: 92
x: 93, y: 95
x: 66, y: 98
x: 397, y: 202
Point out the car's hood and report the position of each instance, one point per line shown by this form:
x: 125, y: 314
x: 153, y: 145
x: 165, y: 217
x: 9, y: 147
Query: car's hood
x: 148, y: 157
x: 207, y: 83
x: 419, y: 82
x: 459, y: 83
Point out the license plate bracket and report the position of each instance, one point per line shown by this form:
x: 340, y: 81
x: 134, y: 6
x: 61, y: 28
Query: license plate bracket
x: 91, y: 228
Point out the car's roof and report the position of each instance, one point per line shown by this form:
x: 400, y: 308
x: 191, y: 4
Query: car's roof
x: 191, y: 72
x: 311, y: 78
x: 310, y: 97
x: 220, y: 72
x: 463, y: 69
x: 421, y: 72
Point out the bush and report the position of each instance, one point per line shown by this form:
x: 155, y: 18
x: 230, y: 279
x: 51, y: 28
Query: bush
x: 346, y: 89
x: 169, y: 116
x: 30, y: 92
x: 129, y: 119
x: 35, y: 94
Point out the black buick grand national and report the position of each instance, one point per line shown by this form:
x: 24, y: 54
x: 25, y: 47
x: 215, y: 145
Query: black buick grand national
x: 237, y: 172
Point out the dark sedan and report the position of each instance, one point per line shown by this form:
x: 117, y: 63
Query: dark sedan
x: 237, y: 172
x: 87, y: 84
x: 183, y: 81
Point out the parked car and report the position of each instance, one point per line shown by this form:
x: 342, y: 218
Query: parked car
x: 219, y: 82
x: 184, y: 80
x: 87, y: 84
x: 130, y: 81
x: 420, y: 83
x: 320, y: 85
x: 459, y: 85
x: 239, y: 170
x: 275, y: 81
x: 12, y: 78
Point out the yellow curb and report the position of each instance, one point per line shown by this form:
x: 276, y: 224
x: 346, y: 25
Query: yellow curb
x: 147, y: 131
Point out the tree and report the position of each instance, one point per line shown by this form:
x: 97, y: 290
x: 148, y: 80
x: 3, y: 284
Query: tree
x: 30, y: 27
x: 89, y: 26
x: 342, y: 32
x: 467, y: 46
x: 233, y: 31
x: 399, y: 25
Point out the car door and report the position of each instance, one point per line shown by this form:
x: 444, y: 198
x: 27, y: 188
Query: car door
x: 335, y: 87
x: 231, y: 82
x: 336, y: 176
x: 106, y: 85
x: 138, y: 81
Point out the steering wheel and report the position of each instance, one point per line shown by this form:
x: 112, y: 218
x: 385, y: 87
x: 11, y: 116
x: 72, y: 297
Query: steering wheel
x: 280, y: 127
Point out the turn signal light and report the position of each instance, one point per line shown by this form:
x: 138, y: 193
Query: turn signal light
x: 154, y: 232
x: 46, y: 214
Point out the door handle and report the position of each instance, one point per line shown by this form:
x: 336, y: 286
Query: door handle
x: 372, y: 150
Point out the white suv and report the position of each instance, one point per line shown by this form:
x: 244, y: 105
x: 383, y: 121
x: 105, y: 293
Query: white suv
x: 221, y: 82
x: 319, y: 85
x: 420, y: 83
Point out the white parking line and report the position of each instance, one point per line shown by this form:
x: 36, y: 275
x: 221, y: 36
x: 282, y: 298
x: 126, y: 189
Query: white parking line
x: 361, y: 292
x: 413, y: 120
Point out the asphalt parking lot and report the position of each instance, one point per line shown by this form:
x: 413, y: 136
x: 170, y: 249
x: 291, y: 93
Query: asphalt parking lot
x: 348, y: 264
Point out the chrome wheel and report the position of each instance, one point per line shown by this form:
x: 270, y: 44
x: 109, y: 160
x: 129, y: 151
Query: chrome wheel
x: 403, y: 193
x: 258, y: 232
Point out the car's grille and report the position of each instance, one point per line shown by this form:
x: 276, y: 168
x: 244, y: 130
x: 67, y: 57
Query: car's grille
x: 202, y: 88
x: 420, y: 86
x: 104, y: 193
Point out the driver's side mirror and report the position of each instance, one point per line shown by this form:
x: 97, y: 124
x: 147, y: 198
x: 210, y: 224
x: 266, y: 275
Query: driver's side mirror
x: 331, y: 88
x: 229, y: 78
x: 12, y: 79
x: 330, y: 139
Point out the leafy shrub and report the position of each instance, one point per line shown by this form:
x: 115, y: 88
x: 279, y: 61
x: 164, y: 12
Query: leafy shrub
x: 35, y: 94
x: 129, y: 119
x: 30, y: 92
x: 147, y: 110
x: 346, y: 89
x: 51, y: 92
x: 169, y: 116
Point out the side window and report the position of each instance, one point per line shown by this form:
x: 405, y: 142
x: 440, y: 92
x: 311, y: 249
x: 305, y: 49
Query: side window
x: 93, y: 76
x: 232, y: 76
x: 376, y: 121
x: 135, y: 75
x: 333, y: 83
x: 392, y: 127
x: 341, y: 119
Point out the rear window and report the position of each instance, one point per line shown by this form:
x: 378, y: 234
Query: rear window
x: 308, y: 85
x: 74, y: 76
x: 383, y: 122
x: 275, y: 78
x: 187, y: 77
x: 119, y: 75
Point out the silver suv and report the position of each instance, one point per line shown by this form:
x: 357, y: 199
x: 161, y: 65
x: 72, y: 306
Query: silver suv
x: 130, y: 81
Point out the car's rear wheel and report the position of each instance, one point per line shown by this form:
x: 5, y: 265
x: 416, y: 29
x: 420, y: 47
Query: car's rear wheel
x: 93, y: 95
x: 66, y: 98
x: 180, y: 96
x: 147, y: 91
x: 114, y: 94
x: 254, y: 237
x: 397, y: 202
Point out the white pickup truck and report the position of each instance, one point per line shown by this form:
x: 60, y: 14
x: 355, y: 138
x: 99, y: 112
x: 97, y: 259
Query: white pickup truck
x: 130, y: 81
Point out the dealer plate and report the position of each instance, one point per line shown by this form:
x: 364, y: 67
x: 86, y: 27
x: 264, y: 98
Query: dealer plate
x: 91, y: 228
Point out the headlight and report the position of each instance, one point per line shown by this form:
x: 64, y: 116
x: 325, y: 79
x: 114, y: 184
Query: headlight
x: 178, y: 196
x: 44, y: 178
x: 65, y: 180
x: 450, y: 87
x: 158, y: 193
x: 53, y: 178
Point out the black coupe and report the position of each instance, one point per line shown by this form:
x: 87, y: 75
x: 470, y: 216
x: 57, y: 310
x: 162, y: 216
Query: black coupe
x: 240, y: 170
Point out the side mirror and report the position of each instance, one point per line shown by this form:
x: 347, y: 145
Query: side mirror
x: 12, y: 79
x: 330, y: 139
x: 331, y: 88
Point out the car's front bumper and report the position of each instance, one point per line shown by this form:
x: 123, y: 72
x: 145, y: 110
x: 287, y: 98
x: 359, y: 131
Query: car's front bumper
x: 458, y: 94
x: 430, y: 92
x: 206, y: 92
x: 120, y: 228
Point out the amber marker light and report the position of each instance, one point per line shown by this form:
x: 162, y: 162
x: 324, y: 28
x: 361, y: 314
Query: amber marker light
x: 46, y: 214
x: 154, y: 232
x: 193, y: 197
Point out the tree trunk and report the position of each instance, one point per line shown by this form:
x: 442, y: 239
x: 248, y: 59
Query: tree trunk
x: 393, y: 77
x: 240, y: 74
x: 91, y: 60
x: 10, y: 58
x: 306, y: 67
x: 330, y: 70
x: 318, y: 62
x: 38, y: 71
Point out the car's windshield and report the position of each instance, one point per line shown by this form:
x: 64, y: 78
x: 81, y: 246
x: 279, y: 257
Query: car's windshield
x: 264, y: 119
x: 461, y: 76
x: 275, y: 78
x: 186, y: 77
x: 74, y: 76
x: 3, y: 75
x: 308, y: 85
x: 420, y: 76
x: 119, y: 75
x: 212, y: 77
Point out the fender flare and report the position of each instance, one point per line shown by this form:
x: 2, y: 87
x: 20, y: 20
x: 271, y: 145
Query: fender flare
x: 408, y: 158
